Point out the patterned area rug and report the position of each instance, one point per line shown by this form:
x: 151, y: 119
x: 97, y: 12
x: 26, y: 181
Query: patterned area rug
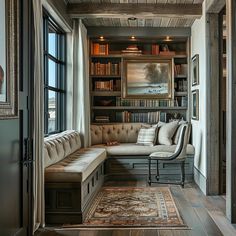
x: 133, y: 207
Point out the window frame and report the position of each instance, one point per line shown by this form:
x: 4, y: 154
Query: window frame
x: 60, y: 84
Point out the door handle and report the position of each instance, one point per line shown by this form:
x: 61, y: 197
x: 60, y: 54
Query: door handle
x: 27, y: 153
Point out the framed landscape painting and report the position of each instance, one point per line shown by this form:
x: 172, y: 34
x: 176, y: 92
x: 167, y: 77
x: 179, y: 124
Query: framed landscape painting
x: 148, y: 78
x: 195, y: 70
x: 195, y: 104
x: 9, y: 45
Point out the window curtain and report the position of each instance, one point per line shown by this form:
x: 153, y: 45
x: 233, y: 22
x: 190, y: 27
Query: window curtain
x: 81, y: 101
x: 38, y: 167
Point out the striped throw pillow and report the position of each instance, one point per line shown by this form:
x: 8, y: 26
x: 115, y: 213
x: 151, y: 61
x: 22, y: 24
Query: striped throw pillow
x: 147, y: 137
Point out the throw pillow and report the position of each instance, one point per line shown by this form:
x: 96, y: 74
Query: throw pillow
x: 166, y: 132
x: 147, y: 137
x: 177, y: 133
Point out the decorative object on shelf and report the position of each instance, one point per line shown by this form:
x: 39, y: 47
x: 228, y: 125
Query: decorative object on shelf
x: 195, y: 104
x: 9, y: 48
x: 166, y: 51
x: 132, y: 50
x: 195, y: 70
x: 148, y: 78
x: 112, y: 143
x: 105, y: 102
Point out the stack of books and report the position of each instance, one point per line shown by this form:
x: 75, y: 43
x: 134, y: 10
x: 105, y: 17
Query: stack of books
x: 132, y: 50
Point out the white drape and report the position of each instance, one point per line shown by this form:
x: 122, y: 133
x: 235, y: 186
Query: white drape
x: 38, y: 176
x: 81, y: 101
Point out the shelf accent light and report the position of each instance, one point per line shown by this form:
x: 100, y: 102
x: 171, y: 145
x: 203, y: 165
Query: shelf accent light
x: 167, y: 39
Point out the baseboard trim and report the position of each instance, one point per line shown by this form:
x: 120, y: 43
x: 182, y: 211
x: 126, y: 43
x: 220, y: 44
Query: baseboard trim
x: 200, y: 180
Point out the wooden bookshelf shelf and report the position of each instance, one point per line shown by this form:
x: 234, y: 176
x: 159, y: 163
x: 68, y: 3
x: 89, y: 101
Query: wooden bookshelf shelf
x: 180, y: 94
x: 180, y: 76
x: 106, y: 93
x: 106, y: 81
x: 106, y: 56
x: 137, y: 108
x: 105, y: 76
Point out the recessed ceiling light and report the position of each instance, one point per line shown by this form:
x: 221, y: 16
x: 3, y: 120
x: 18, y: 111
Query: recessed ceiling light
x: 132, y: 18
x: 132, y: 37
x: 167, y: 39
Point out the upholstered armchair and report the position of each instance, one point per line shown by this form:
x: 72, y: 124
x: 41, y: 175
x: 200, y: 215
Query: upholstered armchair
x: 177, y: 157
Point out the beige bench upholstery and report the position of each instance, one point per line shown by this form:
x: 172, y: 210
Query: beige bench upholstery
x: 132, y: 149
x: 126, y: 134
x: 66, y: 162
x: 123, y: 133
x: 76, y: 167
x: 73, y: 175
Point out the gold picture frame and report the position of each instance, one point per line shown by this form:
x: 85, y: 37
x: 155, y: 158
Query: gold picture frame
x: 9, y: 62
x: 195, y: 104
x: 148, y: 78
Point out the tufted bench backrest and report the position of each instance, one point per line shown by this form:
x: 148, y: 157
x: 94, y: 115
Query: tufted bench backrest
x: 59, y: 146
x: 123, y: 133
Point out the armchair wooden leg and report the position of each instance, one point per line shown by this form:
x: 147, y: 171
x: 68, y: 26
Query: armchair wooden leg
x: 149, y: 171
x: 157, y: 171
x: 182, y: 174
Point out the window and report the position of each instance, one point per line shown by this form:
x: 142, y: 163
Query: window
x: 54, y: 76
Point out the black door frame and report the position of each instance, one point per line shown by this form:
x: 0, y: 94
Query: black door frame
x: 26, y: 112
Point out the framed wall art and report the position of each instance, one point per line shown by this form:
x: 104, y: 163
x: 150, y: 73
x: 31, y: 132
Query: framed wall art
x: 195, y: 104
x: 195, y: 70
x: 148, y: 78
x: 9, y: 67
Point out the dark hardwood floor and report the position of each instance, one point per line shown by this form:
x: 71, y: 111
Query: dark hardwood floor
x: 204, y: 216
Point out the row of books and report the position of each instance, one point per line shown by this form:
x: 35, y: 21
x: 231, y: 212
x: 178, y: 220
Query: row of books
x: 108, y: 85
x: 99, y: 49
x: 142, y: 102
x: 181, y: 101
x: 109, y: 68
x: 181, y: 69
x: 181, y: 85
x: 103, y: 85
x: 146, y: 117
x: 103, y: 49
x: 155, y: 49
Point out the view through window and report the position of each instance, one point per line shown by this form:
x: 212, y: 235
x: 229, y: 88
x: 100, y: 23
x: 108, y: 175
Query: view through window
x: 54, y: 76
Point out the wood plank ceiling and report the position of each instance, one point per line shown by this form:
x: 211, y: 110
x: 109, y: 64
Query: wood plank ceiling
x: 157, y: 13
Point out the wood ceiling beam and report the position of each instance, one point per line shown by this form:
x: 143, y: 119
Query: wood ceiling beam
x: 141, y: 10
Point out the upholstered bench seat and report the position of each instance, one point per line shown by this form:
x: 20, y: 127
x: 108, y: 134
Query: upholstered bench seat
x: 132, y: 149
x: 73, y: 176
x: 76, y: 167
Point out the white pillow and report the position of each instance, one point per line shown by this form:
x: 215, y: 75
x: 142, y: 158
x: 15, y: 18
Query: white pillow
x: 166, y: 132
x: 147, y: 137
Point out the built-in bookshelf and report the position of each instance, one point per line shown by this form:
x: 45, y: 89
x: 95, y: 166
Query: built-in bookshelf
x: 106, y: 81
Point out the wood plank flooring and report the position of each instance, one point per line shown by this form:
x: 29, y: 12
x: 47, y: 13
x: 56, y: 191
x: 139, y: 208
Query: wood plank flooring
x: 204, y: 215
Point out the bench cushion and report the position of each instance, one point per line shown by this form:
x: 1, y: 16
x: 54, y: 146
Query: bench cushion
x: 58, y: 146
x: 132, y: 149
x: 76, y: 167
